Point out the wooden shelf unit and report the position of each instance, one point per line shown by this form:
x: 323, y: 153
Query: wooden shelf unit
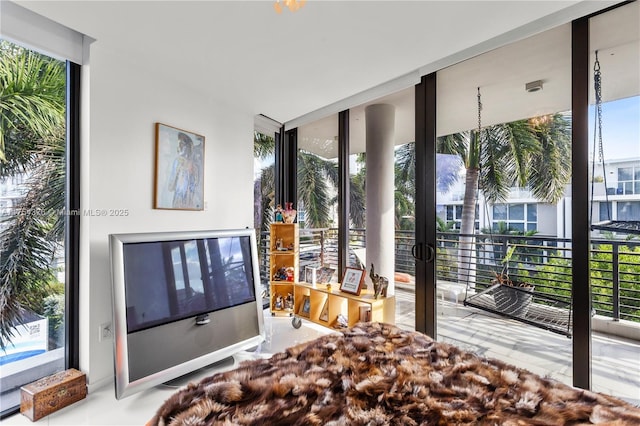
x: 284, y: 235
x: 382, y: 309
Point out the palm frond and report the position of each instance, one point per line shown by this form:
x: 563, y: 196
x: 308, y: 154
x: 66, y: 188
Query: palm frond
x: 550, y: 169
x: 313, y: 189
x: 496, y: 173
x: 26, y: 252
x: 263, y: 145
x: 32, y: 106
x: 32, y: 93
x: 357, y: 201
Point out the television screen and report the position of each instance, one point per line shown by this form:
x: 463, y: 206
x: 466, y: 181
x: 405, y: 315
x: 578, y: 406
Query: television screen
x: 167, y: 281
x: 182, y: 301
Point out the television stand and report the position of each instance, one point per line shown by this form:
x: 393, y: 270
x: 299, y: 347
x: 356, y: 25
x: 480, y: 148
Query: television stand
x: 200, y: 373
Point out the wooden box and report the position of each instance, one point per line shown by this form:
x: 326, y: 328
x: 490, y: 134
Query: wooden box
x: 51, y: 393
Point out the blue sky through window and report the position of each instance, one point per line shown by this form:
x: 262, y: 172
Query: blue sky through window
x: 620, y: 129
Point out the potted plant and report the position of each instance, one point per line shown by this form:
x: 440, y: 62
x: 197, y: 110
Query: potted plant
x: 511, y: 297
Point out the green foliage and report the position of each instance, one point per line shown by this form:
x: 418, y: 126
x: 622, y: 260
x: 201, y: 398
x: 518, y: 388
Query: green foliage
x: 315, y: 177
x: 555, y: 278
x: 444, y: 226
x: 32, y: 137
x: 54, y: 310
x: 32, y: 98
x: 628, y: 275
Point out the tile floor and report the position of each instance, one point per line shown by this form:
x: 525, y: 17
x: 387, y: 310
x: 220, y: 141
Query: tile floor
x: 616, y: 362
x: 102, y: 408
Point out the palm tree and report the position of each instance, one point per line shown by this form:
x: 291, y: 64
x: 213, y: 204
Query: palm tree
x: 32, y: 106
x: 405, y: 171
x: 317, y: 179
x: 316, y: 176
x: 533, y: 153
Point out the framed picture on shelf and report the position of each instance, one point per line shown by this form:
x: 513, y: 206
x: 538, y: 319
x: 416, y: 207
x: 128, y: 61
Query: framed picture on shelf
x: 352, y: 280
x: 324, y: 314
x: 310, y: 274
x: 179, y: 178
x: 324, y: 274
x: 306, y: 307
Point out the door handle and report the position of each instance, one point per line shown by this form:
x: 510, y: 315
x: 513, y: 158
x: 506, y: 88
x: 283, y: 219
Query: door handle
x: 431, y: 254
x: 416, y: 252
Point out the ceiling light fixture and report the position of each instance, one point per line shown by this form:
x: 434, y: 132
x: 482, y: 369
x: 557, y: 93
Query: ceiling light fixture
x: 533, y: 86
x: 293, y: 5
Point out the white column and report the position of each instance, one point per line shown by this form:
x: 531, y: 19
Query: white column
x: 380, y: 226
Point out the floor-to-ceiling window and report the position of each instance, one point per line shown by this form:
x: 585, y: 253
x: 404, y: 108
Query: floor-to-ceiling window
x: 614, y: 169
x: 504, y: 149
x: 263, y: 197
x: 39, y: 218
x: 317, y: 193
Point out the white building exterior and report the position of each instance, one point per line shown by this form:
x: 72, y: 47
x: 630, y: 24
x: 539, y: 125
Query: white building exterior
x: 11, y: 190
x: 522, y: 211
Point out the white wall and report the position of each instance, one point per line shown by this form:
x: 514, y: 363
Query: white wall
x: 118, y: 152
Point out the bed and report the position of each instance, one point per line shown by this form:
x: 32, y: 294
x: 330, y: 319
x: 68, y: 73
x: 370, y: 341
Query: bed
x: 379, y: 374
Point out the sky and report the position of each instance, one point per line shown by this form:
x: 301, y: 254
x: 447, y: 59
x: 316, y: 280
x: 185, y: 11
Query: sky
x: 620, y: 129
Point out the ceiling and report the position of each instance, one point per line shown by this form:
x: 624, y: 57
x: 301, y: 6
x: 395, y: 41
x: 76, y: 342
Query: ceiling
x: 501, y: 74
x: 285, y: 66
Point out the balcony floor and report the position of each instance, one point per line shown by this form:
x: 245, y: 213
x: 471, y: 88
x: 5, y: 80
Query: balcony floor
x: 615, y: 361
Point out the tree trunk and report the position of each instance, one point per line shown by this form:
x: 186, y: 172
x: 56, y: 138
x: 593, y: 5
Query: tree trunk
x: 466, y: 258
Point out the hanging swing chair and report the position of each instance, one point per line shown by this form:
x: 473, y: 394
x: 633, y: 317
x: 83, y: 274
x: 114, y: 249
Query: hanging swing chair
x: 620, y: 226
x: 517, y: 301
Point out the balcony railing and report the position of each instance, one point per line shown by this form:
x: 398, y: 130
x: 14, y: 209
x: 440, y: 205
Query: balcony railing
x: 542, y: 261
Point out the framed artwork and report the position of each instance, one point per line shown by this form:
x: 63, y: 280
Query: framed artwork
x: 310, y: 274
x: 306, y: 306
x: 324, y: 313
x: 324, y: 274
x: 179, y: 179
x: 352, y: 280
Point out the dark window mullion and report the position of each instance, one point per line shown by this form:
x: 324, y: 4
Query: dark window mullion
x: 72, y: 220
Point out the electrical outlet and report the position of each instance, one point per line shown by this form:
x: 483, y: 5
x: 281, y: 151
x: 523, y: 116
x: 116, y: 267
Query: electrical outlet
x: 105, y: 332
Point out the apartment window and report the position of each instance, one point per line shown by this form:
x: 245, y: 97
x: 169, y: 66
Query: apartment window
x: 629, y: 210
x: 454, y: 214
x: 606, y: 211
x: 522, y: 217
x: 628, y: 180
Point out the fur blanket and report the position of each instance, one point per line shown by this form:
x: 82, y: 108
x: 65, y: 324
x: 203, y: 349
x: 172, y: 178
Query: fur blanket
x: 378, y: 374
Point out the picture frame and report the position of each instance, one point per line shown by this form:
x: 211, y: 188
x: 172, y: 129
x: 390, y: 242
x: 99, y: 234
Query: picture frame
x: 310, y: 274
x: 352, y: 280
x: 179, y: 173
x: 324, y: 275
x: 306, y: 307
x: 324, y: 313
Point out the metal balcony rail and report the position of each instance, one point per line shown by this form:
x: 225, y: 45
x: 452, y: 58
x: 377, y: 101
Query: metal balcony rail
x: 542, y: 261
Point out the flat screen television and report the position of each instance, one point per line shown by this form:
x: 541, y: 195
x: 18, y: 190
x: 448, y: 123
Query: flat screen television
x: 182, y: 301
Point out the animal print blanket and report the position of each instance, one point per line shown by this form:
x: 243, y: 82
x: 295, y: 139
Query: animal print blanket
x: 378, y: 374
